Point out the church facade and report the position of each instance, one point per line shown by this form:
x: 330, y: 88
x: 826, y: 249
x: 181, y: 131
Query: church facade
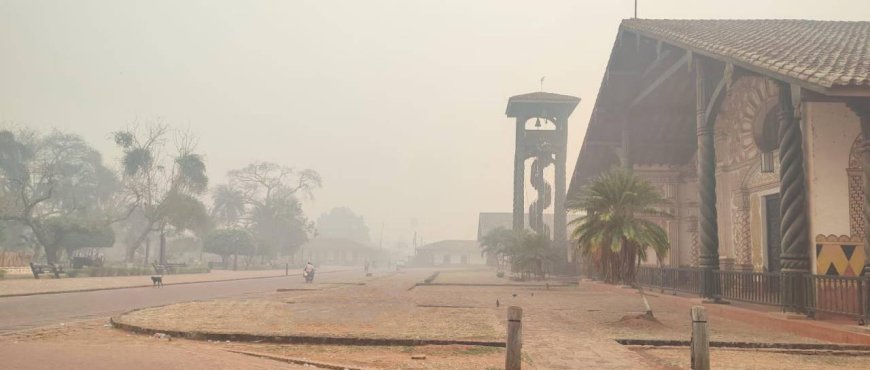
x: 754, y: 132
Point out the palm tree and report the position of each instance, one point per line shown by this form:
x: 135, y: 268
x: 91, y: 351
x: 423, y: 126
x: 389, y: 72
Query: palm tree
x: 229, y: 205
x: 614, y: 231
x: 496, y: 243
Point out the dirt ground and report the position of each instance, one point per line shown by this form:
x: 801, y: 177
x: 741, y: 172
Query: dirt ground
x: 379, y: 309
x: 563, y: 327
x: 94, y: 345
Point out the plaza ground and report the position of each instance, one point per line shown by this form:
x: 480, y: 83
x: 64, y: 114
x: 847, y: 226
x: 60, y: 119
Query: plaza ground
x: 564, y: 327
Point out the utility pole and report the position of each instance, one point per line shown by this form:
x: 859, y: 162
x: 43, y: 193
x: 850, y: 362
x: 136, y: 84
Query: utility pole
x: 635, y: 9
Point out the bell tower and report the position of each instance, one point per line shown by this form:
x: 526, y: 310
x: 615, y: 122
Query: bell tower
x: 541, y: 135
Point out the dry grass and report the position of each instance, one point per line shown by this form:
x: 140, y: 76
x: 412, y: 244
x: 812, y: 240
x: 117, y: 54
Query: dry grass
x: 749, y: 359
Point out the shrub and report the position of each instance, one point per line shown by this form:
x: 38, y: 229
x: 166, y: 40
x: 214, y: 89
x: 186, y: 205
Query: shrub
x: 2, y: 273
x: 431, y: 278
x: 500, y: 274
x: 193, y: 270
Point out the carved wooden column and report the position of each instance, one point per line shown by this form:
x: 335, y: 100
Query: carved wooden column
x: 794, y: 257
x: 519, y: 175
x: 861, y: 107
x: 708, y: 259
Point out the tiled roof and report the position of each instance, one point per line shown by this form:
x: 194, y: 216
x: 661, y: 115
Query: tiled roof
x: 823, y: 53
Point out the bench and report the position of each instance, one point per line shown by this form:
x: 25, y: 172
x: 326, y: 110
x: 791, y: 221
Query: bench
x: 52, y: 268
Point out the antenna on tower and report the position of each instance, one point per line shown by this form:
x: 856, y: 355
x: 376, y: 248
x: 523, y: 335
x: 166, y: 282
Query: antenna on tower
x: 542, y: 83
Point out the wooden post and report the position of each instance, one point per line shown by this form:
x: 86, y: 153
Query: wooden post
x: 287, y: 269
x: 700, y: 339
x: 513, y: 358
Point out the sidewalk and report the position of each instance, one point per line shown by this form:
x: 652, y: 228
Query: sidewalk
x: 19, y: 287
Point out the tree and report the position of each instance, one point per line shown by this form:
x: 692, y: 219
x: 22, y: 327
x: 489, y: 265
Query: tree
x: 496, y: 243
x: 73, y: 234
x: 614, y: 230
x: 259, y: 181
x: 227, y: 242
x: 531, y: 253
x: 57, y: 175
x: 280, y: 226
x: 158, y: 181
x: 263, y: 198
x: 342, y: 222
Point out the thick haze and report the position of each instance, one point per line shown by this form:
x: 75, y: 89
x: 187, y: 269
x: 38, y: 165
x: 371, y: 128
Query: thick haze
x: 398, y: 104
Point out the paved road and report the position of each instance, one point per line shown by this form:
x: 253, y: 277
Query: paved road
x: 19, y: 313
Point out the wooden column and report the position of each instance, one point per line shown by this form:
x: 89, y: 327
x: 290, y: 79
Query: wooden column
x: 861, y: 107
x: 514, y: 350
x: 519, y: 175
x: 794, y: 257
x: 708, y: 259
x: 700, y: 343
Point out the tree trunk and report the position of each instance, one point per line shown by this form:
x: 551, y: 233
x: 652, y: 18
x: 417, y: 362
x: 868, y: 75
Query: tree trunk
x: 162, y: 246
x: 147, y: 251
x: 50, y: 249
x: 131, y: 249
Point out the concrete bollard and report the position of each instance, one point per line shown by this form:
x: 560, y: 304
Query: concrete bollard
x: 514, y: 354
x: 700, y: 339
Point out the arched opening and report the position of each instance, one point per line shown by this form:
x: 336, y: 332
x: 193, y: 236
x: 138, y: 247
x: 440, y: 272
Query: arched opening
x: 766, y: 134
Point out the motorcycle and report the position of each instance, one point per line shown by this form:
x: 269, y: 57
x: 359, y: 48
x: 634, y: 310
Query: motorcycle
x: 308, y: 275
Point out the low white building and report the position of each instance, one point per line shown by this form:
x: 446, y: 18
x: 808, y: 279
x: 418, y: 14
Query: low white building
x: 450, y: 252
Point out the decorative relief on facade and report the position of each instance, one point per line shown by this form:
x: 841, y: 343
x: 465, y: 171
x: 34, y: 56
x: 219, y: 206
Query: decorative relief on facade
x: 693, y: 234
x: 744, y: 112
x: 748, y: 102
x: 741, y: 229
x: 756, y: 180
x: 856, y: 189
x: 841, y: 255
x: 855, y: 159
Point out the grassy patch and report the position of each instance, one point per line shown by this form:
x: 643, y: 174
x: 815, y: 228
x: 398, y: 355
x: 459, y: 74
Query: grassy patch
x: 480, y: 350
x: 527, y: 359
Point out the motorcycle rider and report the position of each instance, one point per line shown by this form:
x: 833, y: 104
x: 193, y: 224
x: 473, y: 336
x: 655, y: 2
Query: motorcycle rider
x: 309, y: 270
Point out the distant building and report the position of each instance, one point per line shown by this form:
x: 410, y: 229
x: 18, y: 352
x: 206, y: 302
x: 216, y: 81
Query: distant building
x: 342, y: 252
x: 488, y: 221
x: 450, y: 252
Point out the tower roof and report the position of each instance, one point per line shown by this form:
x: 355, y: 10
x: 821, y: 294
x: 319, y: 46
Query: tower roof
x: 538, y: 104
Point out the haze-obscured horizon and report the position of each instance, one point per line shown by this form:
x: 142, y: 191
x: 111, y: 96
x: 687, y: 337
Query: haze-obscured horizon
x: 398, y: 104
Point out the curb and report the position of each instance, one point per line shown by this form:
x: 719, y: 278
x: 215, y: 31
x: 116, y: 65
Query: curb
x: 560, y: 285
x: 296, y: 361
x: 148, y: 285
x: 302, y: 339
x: 747, y: 345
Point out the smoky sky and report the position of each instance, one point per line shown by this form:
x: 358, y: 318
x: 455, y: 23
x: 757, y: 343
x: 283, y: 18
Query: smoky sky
x: 398, y: 104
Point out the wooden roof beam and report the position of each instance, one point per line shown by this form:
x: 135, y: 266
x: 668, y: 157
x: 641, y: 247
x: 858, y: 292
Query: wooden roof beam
x: 673, y: 69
